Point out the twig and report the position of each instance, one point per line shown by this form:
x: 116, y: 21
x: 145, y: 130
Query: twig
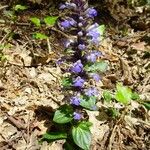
x: 15, y: 122
x: 49, y: 46
x: 112, y: 137
x: 2, y: 7
x: 5, y: 37
x: 116, y: 125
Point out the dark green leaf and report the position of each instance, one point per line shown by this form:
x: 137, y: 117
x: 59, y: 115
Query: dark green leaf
x: 40, y: 36
x: 88, y: 102
x: 66, y: 82
x: 107, y: 96
x: 50, y: 20
x: 97, y: 67
x: 147, y: 105
x: 54, y: 136
x: 113, y: 112
x: 36, y: 21
x: 135, y: 96
x: 123, y: 94
x: 82, y: 135
x: 63, y: 114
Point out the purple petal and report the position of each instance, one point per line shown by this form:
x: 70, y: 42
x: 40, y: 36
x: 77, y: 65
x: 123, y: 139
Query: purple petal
x: 96, y: 77
x: 77, y: 67
x: 78, y: 82
x: 77, y: 116
x: 91, y: 92
x: 91, y: 12
x: 81, y: 46
x: 75, y: 101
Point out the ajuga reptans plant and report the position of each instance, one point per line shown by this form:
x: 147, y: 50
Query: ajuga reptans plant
x: 85, y: 65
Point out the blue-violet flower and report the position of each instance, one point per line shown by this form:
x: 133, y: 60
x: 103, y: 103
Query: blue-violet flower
x: 78, y: 82
x: 77, y: 116
x: 75, y: 100
x: 91, y: 92
x: 96, y: 77
x: 77, y: 67
x: 91, y: 12
x: 81, y: 46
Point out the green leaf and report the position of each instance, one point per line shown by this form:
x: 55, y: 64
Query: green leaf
x: 63, y: 114
x: 40, y: 36
x: 50, y: 20
x: 98, y: 66
x: 54, y: 136
x: 82, y: 135
x: 123, y: 94
x: 66, y: 82
x: 20, y: 7
x: 107, y: 96
x: 101, y: 29
x: 147, y: 105
x: 35, y: 21
x: 113, y: 112
x: 135, y: 96
x: 88, y: 102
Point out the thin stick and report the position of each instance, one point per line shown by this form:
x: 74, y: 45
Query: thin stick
x: 2, y: 7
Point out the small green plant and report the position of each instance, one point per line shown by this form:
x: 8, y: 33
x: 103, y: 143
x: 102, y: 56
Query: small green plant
x: 50, y: 20
x: 124, y: 96
x: 36, y: 21
x: 20, y: 7
x: 40, y: 36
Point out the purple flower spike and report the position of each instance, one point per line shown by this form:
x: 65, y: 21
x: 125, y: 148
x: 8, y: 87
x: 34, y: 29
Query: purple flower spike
x: 78, y: 82
x: 91, y: 92
x: 65, y: 24
x: 81, y: 46
x: 77, y: 116
x: 77, y: 67
x: 75, y: 101
x: 96, y: 77
x: 91, y: 12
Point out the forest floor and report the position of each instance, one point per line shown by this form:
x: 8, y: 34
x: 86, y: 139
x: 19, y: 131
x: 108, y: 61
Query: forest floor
x: 30, y: 79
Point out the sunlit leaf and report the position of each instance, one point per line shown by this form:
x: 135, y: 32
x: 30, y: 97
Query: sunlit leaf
x: 36, y: 21
x: 123, y: 94
x: 97, y: 67
x: 63, y: 114
x: 101, y: 29
x: 20, y: 7
x: 50, y: 20
x: 107, y: 96
x: 82, y: 136
x: 40, y: 36
x: 89, y: 102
